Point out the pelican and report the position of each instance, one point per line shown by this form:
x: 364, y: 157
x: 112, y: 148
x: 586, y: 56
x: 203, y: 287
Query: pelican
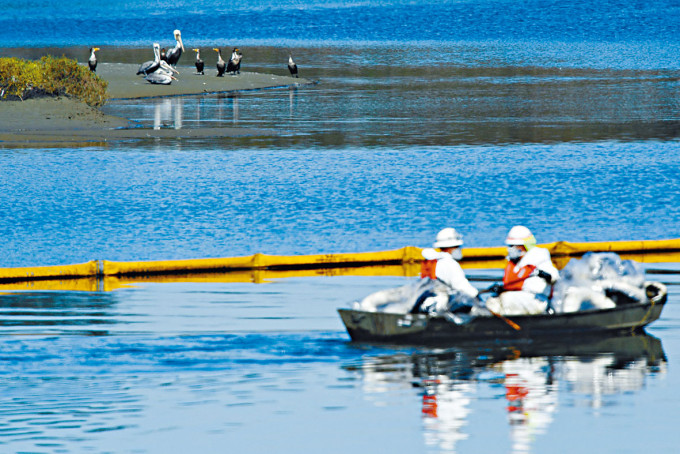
x: 150, y: 66
x: 164, y: 57
x: 234, y: 64
x: 292, y: 67
x: 163, y: 75
x: 221, y: 66
x: 160, y: 77
x: 199, y: 63
x: 92, y: 62
x: 173, y: 54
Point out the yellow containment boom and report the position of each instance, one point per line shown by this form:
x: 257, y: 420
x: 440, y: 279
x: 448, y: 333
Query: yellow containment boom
x: 654, y: 251
x: 49, y: 272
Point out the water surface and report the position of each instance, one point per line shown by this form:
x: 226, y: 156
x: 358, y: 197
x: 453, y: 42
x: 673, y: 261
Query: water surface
x: 200, y: 366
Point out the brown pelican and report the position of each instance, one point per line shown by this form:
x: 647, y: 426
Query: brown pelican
x: 234, y: 65
x: 221, y: 66
x: 92, y: 62
x: 163, y: 75
x: 199, y: 63
x: 173, y: 54
x: 292, y: 67
x: 150, y: 66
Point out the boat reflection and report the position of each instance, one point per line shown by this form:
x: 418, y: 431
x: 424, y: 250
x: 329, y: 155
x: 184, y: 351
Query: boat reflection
x: 527, y: 378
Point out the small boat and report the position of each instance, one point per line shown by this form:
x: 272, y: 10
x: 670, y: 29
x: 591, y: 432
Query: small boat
x: 418, y: 328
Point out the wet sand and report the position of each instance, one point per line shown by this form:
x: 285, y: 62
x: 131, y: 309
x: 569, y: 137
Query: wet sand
x: 62, y: 121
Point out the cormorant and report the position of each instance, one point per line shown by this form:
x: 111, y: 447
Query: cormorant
x: 199, y: 63
x: 234, y: 65
x: 221, y: 66
x: 150, y: 66
x: 92, y: 62
x: 173, y: 54
x: 292, y: 67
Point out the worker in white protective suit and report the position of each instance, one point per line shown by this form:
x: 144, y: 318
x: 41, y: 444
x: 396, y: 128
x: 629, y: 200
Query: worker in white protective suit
x: 528, y: 278
x: 442, y: 266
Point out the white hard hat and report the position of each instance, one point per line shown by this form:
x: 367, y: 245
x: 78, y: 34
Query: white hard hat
x: 448, y: 237
x: 520, y: 236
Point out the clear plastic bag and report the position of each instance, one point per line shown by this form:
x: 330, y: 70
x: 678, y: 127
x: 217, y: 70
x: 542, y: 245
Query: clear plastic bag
x: 598, y: 281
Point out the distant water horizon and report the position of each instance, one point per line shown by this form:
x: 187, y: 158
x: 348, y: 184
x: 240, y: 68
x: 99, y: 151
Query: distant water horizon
x: 317, y: 23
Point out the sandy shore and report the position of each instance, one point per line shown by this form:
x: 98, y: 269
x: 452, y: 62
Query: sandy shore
x: 123, y: 83
x: 50, y: 122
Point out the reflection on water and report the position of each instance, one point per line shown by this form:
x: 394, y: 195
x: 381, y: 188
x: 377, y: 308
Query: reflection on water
x: 186, y: 365
x: 528, y: 379
x: 168, y: 112
x: 184, y: 112
x: 384, y: 100
x: 43, y: 312
x: 292, y: 98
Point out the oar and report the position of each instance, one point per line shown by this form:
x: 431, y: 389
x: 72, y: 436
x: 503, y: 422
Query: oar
x: 514, y: 325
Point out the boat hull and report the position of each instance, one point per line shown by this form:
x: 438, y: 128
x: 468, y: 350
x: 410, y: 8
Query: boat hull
x: 425, y: 329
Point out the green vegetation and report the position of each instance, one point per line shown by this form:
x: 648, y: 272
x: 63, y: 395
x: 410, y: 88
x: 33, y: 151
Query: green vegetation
x: 53, y: 77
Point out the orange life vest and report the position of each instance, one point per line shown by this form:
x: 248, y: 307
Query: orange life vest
x: 514, y: 280
x: 427, y: 269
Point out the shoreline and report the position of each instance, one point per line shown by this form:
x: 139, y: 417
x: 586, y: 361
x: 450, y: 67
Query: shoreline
x: 63, y: 121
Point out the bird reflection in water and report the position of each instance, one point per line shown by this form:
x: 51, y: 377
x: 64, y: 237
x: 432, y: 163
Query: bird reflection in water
x: 450, y: 381
x: 234, y: 107
x: 168, y: 112
x: 233, y: 99
x: 292, y: 98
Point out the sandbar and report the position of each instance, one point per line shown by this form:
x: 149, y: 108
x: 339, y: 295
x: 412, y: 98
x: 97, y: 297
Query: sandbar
x: 63, y: 121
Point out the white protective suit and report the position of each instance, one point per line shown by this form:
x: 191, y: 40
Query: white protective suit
x: 455, y: 285
x: 535, y: 291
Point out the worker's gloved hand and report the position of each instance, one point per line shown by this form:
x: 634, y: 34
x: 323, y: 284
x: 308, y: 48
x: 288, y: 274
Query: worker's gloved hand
x: 545, y: 276
x: 496, y: 289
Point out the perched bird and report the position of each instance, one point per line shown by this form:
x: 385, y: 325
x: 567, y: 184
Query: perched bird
x: 163, y: 75
x: 173, y: 54
x: 199, y: 63
x: 292, y: 67
x: 92, y: 62
x: 221, y: 66
x: 234, y: 65
x: 238, y: 62
x: 150, y: 66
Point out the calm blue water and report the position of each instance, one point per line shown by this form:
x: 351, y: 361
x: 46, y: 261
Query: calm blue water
x: 75, y: 22
x: 173, y: 202
x: 187, y: 366
x: 478, y: 114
